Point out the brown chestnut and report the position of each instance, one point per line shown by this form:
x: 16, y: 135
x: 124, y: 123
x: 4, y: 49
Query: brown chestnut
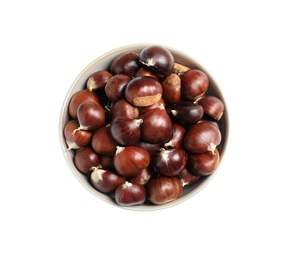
x: 76, y: 138
x: 157, y: 58
x: 130, y: 194
x: 126, y: 63
x: 157, y: 126
x: 85, y: 159
x: 159, y: 104
x: 79, y: 97
x: 171, y: 86
x: 91, y: 115
x: 194, y: 83
x: 161, y: 189
x: 187, y: 113
x: 169, y: 162
x: 105, y: 181
x: 143, y: 177
x: 179, y: 69
x: 102, y: 141
x: 130, y: 160
x: 152, y: 149
x: 98, y: 80
x: 212, y: 106
x: 106, y: 162
x: 122, y: 108
x: 146, y: 72
x: 203, y: 163
x: 115, y: 86
x: 143, y: 91
x: 126, y: 131
x: 178, y: 134
x: 202, y: 137
x: 187, y: 178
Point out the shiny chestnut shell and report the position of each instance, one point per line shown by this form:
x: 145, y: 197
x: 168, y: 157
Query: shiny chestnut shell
x: 122, y: 108
x: 79, y: 97
x: 194, y: 83
x: 129, y: 194
x: 130, y: 160
x: 85, y: 159
x: 75, y: 137
x: 143, y: 91
x: 152, y: 149
x: 202, y: 137
x: 147, y: 72
x: 126, y: 63
x: 98, y: 80
x: 115, y: 87
x: 126, y: 131
x: 169, y: 162
x: 187, y: 178
x: 157, y: 58
x: 161, y: 189
x: 105, y: 181
x: 143, y: 177
x: 187, y: 113
x: 102, y: 141
x: 212, y: 106
x: 171, y: 86
x: 178, y: 133
x: 157, y: 126
x: 203, y: 164
x: 91, y: 115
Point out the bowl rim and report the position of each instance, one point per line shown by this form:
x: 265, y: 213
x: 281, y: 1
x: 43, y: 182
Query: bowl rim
x: 104, y: 197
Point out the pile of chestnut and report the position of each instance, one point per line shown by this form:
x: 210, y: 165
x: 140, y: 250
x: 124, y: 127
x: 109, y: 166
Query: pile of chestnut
x: 144, y: 128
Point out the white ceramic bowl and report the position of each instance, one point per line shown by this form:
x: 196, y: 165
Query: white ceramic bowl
x: 103, y: 62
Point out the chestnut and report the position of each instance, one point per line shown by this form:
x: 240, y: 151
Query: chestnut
x: 157, y: 58
x: 194, y: 83
x: 171, y: 89
x: 143, y: 177
x: 202, y: 137
x: 187, y: 113
x: 91, y: 115
x: 122, y: 108
x: 130, y: 194
x: 157, y: 126
x: 178, y: 133
x: 152, y: 149
x: 212, y: 106
x: 179, y: 69
x: 76, y: 138
x: 115, y: 86
x: 105, y: 181
x: 126, y: 131
x: 155, y: 105
x: 143, y: 91
x: 187, y: 178
x: 79, y: 97
x: 98, y: 80
x: 203, y: 163
x: 130, y: 160
x: 169, y: 162
x: 102, y: 141
x: 161, y: 189
x: 146, y: 72
x: 126, y: 63
x: 106, y: 162
x: 85, y: 159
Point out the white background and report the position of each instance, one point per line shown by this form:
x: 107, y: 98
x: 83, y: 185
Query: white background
x: 47, y: 214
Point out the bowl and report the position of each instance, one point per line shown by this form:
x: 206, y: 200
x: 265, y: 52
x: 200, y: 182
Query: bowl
x: 103, y: 62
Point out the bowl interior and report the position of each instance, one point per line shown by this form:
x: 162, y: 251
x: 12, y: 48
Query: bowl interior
x: 104, y: 62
